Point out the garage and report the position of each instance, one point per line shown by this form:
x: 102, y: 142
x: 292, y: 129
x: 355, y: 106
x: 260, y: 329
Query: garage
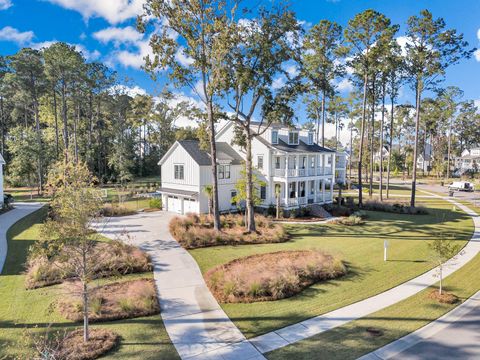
x: 190, y: 206
x: 174, y: 204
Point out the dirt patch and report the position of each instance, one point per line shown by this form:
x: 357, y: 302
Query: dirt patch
x: 196, y: 231
x: 122, y: 300
x: 114, y: 258
x: 444, y: 297
x: 272, y: 276
x: 100, y: 342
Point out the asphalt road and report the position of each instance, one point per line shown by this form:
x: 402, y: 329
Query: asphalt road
x: 460, y: 340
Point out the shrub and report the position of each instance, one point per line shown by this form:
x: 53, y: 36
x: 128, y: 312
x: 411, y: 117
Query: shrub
x: 271, y: 276
x: 100, y: 342
x: 351, y: 220
x: 155, y: 203
x: 194, y: 231
x: 338, y: 210
x: 396, y: 207
x: 111, y: 210
x: 96, y: 305
x: 126, y: 305
x: 112, y: 258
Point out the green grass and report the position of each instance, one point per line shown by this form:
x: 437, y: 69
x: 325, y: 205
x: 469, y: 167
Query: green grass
x: 142, y: 338
x: 351, y: 341
x: 362, y: 249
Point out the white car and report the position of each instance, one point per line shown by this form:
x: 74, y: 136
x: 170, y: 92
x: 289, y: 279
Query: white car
x: 461, y: 186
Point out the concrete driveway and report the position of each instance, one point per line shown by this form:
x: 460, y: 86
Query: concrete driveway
x: 195, y: 322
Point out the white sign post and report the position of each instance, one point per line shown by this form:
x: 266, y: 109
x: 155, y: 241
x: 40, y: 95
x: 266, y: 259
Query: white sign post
x: 385, y: 246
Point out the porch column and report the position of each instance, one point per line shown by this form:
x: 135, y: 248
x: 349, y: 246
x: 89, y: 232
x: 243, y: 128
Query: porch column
x: 286, y: 193
x: 323, y: 164
x: 315, y: 190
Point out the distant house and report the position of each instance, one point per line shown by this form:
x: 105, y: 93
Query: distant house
x: 2, y: 162
x: 283, y: 157
x: 468, y: 161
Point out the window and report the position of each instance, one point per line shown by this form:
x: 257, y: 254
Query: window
x: 274, y: 136
x: 302, y: 188
x: 293, y: 138
x: 233, y: 195
x: 312, y: 187
x: 260, y: 162
x: 277, y: 162
x: 312, y: 162
x: 178, y: 172
x: 320, y: 186
x: 263, y: 192
x: 310, y: 138
x: 224, y: 171
x: 329, y: 160
x: 292, y: 188
x: 304, y: 162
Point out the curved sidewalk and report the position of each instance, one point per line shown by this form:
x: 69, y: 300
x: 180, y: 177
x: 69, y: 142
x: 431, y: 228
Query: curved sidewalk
x: 9, y: 218
x: 195, y: 322
x: 305, y: 329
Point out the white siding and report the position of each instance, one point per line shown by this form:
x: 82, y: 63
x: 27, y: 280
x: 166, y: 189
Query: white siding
x: 225, y: 187
x: 191, y: 180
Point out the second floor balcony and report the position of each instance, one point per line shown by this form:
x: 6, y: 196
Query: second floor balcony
x: 303, y: 172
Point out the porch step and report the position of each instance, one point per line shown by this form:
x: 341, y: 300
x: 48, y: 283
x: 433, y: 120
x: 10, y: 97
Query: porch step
x: 319, y: 211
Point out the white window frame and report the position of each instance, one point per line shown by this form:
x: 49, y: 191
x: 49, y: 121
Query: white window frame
x: 260, y: 162
x: 274, y: 137
x: 278, y: 162
x: 177, y: 172
x: 224, y: 172
x: 310, y: 138
x: 292, y: 135
x: 264, y: 187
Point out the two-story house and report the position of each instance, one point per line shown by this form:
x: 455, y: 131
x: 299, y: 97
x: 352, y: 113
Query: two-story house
x: 284, y: 158
x: 468, y: 161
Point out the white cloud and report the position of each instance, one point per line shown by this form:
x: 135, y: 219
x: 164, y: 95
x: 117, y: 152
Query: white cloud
x: 278, y: 83
x: 133, y: 59
x: 127, y: 90
x: 292, y: 70
x: 184, y: 121
x: 182, y: 58
x: 5, y: 4
x: 477, y: 54
x: 478, y: 34
x: 114, y: 11
x: 118, y: 35
x: 477, y: 103
x: 9, y: 33
x: 345, y: 85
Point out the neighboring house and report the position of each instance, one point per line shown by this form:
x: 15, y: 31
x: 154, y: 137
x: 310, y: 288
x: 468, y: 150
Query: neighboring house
x: 341, y: 167
x: 2, y: 162
x: 468, y: 161
x: 284, y: 157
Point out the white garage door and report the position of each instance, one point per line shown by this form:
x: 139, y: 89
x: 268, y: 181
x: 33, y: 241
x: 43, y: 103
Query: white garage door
x: 175, y: 204
x: 190, y: 206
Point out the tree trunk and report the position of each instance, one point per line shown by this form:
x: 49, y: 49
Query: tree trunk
x: 351, y: 155
x: 362, y: 135
x: 213, y: 152
x: 449, y: 148
x: 64, y: 118
x: 85, y: 312
x: 381, y: 143
x: 76, y: 122
x: 55, y: 114
x: 249, y: 186
x: 323, y: 119
x: 415, y: 146
x: 372, y: 139
x: 390, y: 150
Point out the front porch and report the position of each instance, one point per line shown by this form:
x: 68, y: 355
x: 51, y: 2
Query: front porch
x: 294, y: 194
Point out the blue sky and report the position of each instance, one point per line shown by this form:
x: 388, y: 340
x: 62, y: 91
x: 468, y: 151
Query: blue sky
x: 104, y: 31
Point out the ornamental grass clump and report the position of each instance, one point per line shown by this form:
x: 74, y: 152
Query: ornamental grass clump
x: 195, y: 231
x: 273, y: 276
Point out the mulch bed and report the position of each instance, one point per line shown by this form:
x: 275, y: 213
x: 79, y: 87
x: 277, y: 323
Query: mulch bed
x: 444, y: 298
x: 120, y: 300
x: 100, y: 342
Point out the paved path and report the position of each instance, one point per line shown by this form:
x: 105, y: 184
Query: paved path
x: 305, y: 329
x: 8, y: 219
x: 196, y: 324
x: 455, y: 335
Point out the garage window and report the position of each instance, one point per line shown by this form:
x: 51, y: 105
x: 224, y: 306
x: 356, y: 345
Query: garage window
x: 179, y: 174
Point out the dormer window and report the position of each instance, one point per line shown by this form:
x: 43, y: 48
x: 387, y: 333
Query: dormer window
x: 310, y: 138
x: 293, y: 138
x: 274, y: 136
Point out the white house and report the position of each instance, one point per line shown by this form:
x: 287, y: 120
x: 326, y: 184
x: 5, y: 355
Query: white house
x: 468, y: 161
x: 284, y: 157
x: 2, y: 162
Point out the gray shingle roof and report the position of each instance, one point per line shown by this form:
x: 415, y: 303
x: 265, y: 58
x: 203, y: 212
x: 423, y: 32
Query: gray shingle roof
x: 300, y: 148
x: 224, y: 152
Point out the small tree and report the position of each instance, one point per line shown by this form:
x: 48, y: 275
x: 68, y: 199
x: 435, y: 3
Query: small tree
x: 443, y: 249
x: 278, y: 191
x: 208, y: 190
x: 67, y: 237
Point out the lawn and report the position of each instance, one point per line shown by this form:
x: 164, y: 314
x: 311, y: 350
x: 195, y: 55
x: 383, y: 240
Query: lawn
x: 361, y: 247
x: 351, y: 341
x: 142, y: 338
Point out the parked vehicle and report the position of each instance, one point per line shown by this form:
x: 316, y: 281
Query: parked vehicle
x: 461, y: 186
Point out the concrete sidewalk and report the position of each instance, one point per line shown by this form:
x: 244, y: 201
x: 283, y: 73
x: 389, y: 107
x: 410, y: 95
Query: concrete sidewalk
x: 8, y: 219
x: 305, y: 329
x: 455, y: 335
x: 195, y: 322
